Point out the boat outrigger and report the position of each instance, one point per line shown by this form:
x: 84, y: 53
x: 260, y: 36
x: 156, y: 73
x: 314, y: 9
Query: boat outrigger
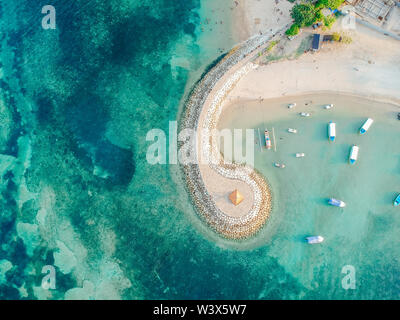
x: 291, y: 130
x: 354, y: 154
x: 314, y: 239
x: 268, y: 143
x: 366, y: 126
x: 332, y: 131
x: 336, y: 203
x: 396, y: 202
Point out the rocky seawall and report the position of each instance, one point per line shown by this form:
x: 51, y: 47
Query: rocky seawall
x: 236, y: 64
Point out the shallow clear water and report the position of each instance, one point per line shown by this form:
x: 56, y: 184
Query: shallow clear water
x: 78, y: 194
x: 364, y: 233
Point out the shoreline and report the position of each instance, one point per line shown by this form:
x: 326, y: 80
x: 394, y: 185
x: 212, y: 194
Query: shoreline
x: 236, y: 78
x: 203, y: 95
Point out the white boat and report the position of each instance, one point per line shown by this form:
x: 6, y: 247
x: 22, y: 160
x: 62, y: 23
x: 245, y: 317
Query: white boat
x: 279, y: 165
x: 292, y: 130
x: 305, y: 114
x: 336, y: 203
x: 314, y: 239
x: 291, y: 105
x: 366, y: 126
x: 328, y: 106
x: 332, y: 131
x: 354, y: 154
x: 268, y: 143
x: 300, y: 155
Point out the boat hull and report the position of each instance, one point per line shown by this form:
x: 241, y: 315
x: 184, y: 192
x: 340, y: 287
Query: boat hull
x: 314, y: 239
x: 268, y: 143
x: 396, y: 201
x: 332, y: 131
x: 336, y: 203
x: 366, y: 126
x: 354, y: 154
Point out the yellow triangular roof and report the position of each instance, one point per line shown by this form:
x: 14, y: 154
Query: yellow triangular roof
x: 236, y: 197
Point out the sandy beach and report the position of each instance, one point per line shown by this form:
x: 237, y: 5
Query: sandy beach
x: 252, y: 17
x: 368, y: 67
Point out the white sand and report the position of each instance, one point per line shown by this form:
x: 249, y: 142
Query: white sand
x: 259, y: 16
x: 370, y: 66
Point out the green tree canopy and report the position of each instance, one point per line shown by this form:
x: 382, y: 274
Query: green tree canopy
x: 293, y: 30
x: 333, y: 4
x: 303, y: 14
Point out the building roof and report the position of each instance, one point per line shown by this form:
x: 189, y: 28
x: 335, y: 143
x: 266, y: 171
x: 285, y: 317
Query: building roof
x: 236, y: 197
x: 316, y: 41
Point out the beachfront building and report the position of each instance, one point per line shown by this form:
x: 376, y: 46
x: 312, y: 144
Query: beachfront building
x: 316, y: 43
x: 374, y: 11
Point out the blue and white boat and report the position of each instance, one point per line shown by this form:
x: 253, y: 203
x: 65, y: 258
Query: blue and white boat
x: 354, y: 154
x: 396, y: 202
x: 332, y: 131
x: 314, y: 239
x: 336, y: 203
x: 366, y: 126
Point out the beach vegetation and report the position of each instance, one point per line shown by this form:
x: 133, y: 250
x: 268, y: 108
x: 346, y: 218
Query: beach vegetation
x: 304, y: 14
x: 319, y: 16
x: 329, y: 21
x: 293, y: 30
x: 336, y: 36
x: 346, y: 39
x: 331, y: 4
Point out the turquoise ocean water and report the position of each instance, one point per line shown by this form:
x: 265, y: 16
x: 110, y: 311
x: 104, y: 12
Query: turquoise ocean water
x: 364, y: 233
x: 78, y: 194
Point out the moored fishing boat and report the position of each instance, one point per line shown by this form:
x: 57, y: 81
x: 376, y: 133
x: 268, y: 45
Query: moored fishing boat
x: 305, y: 114
x: 332, y: 131
x: 336, y: 203
x: 396, y: 201
x: 291, y: 130
x: 328, y: 106
x: 366, y: 126
x: 268, y: 143
x: 354, y: 154
x: 279, y: 165
x: 300, y: 155
x: 314, y: 239
x: 291, y: 105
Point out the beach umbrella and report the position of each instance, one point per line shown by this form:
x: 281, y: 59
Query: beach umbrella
x: 236, y: 197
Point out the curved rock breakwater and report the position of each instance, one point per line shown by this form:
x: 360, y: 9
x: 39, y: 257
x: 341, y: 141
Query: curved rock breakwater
x: 203, y: 109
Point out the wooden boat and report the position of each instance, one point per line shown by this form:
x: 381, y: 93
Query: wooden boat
x: 268, y: 143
